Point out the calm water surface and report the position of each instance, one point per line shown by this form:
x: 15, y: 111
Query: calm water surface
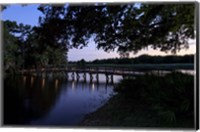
x: 30, y: 100
x: 51, y: 101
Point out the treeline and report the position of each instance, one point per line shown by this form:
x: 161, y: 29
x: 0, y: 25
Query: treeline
x: 143, y: 59
x: 26, y: 47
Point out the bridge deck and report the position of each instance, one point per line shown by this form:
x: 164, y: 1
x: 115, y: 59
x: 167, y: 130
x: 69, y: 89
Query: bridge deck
x: 136, y: 69
x: 116, y: 72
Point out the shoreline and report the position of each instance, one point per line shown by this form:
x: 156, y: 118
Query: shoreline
x: 139, y: 105
x: 140, y: 116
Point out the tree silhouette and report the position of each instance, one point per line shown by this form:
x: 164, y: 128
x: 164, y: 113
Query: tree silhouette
x: 121, y: 27
x: 125, y: 27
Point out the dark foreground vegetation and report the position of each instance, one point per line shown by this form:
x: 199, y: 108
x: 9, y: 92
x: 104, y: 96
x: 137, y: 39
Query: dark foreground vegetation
x: 149, y: 101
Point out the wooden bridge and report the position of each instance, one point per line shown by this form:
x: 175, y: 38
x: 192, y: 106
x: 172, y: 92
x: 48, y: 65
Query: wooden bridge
x: 108, y: 71
x: 75, y: 72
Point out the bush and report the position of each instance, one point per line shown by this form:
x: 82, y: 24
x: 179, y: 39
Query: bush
x: 172, y: 95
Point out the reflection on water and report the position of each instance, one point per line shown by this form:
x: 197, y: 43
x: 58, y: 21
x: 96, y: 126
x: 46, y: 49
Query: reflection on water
x: 34, y: 100
x: 32, y: 81
x: 53, y: 101
x: 191, y: 72
x: 43, y: 82
x: 163, y: 72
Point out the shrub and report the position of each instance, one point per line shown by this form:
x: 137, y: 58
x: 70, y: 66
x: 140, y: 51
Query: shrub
x: 172, y: 95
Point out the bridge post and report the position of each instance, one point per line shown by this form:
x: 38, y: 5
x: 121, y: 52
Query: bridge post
x: 84, y: 77
x: 97, y: 78
x: 77, y: 75
x: 63, y: 74
x: 36, y: 71
x: 124, y: 76
x: 47, y: 74
x: 77, y: 79
x: 66, y: 75
x: 111, y: 77
x: 53, y: 73
x: 91, y: 77
x: 107, y: 78
x: 72, y: 75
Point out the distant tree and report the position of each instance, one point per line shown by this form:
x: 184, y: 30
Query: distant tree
x: 147, y: 59
x: 82, y: 62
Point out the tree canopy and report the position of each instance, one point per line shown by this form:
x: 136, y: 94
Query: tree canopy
x: 122, y: 27
x: 23, y: 48
x: 125, y: 27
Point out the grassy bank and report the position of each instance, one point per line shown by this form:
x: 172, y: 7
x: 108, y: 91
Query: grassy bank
x: 149, y: 101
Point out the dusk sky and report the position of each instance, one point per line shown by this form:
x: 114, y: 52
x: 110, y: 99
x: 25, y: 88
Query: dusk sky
x: 29, y: 15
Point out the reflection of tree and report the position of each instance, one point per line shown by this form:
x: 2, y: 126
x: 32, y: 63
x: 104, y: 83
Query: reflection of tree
x: 24, y: 103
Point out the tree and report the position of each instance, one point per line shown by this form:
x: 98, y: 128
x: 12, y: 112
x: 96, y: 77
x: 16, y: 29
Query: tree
x: 27, y: 46
x: 81, y: 63
x: 12, y: 58
x: 52, y: 36
x: 20, y: 37
x: 126, y: 27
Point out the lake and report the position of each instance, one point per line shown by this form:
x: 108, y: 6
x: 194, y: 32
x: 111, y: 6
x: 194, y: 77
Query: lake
x: 31, y: 100
x: 36, y: 101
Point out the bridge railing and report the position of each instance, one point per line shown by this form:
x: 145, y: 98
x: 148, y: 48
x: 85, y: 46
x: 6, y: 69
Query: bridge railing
x: 116, y: 68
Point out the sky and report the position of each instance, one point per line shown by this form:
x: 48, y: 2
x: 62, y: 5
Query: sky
x: 29, y: 15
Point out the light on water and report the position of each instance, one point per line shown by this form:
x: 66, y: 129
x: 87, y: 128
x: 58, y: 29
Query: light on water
x: 56, y: 84
x: 24, y: 79
x: 32, y: 80
x: 93, y: 86
x: 43, y: 82
x: 54, y: 101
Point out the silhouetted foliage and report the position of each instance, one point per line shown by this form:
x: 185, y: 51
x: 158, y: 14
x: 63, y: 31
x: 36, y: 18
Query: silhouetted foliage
x: 125, y: 27
x: 81, y: 63
x: 171, y: 96
x: 23, y: 48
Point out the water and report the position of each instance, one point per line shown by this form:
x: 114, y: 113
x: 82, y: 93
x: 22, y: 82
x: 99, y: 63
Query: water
x: 30, y: 100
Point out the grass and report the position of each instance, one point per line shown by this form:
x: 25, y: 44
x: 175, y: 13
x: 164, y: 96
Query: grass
x: 149, y: 101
